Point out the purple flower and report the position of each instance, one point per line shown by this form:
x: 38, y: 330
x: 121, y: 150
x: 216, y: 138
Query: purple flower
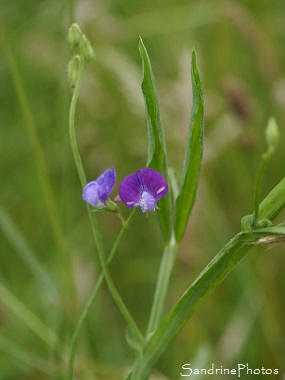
x: 143, y: 188
x: 96, y: 192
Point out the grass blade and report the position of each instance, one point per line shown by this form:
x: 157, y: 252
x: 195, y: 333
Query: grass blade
x: 193, y: 156
x: 156, y: 145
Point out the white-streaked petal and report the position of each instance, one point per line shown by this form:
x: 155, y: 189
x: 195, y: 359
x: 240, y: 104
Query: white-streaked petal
x: 160, y: 190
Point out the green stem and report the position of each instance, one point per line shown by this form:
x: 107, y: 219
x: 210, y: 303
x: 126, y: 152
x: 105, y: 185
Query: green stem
x: 93, y: 220
x: 164, y: 274
x: 72, y: 135
x: 117, y: 298
x: 92, y: 298
x: 261, y: 169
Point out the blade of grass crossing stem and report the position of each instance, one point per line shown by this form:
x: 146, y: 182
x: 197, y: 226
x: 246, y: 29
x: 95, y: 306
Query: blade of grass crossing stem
x: 18, y: 241
x: 193, y: 155
x: 213, y: 274
x: 208, y: 280
x: 20, y: 354
x: 156, y: 144
x: 28, y: 317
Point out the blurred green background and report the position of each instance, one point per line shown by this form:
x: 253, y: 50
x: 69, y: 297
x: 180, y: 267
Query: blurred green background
x: 241, y: 55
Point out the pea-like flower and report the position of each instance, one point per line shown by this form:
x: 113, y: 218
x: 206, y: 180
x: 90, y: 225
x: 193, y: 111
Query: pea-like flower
x: 97, y: 192
x: 143, y: 188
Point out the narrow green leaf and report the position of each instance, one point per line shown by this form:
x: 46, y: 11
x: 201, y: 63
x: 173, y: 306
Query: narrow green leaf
x: 156, y: 144
x: 213, y: 274
x: 193, y: 155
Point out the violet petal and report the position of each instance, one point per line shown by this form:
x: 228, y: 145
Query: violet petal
x: 143, y: 188
x: 91, y: 194
x: 154, y: 182
x: 106, y: 181
x: 130, y: 190
x: 97, y: 192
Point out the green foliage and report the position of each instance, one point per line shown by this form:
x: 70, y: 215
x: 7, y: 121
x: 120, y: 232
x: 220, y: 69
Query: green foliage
x: 156, y: 144
x: 193, y: 156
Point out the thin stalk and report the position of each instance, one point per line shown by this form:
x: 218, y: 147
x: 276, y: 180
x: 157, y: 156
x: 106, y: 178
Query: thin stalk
x: 272, y: 137
x: 113, y: 290
x: 260, y: 172
x: 72, y: 136
x: 92, y: 298
x: 163, y: 278
x: 93, y: 220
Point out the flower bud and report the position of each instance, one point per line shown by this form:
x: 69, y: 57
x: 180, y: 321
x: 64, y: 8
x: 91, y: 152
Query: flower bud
x: 272, y: 134
x: 87, y: 50
x: 72, y: 70
x: 74, y: 36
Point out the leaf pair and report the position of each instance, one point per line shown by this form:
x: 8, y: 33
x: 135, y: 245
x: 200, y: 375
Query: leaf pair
x: 157, y: 157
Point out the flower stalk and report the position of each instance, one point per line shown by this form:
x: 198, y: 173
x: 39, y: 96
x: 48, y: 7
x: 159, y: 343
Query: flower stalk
x: 165, y: 270
x: 92, y: 216
x: 272, y: 136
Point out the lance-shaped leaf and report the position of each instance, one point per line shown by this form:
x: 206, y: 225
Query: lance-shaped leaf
x: 156, y: 144
x: 193, y: 156
x: 212, y: 275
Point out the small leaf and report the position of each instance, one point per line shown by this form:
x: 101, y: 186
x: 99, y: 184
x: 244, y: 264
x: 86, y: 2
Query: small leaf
x: 156, y: 144
x: 193, y: 155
